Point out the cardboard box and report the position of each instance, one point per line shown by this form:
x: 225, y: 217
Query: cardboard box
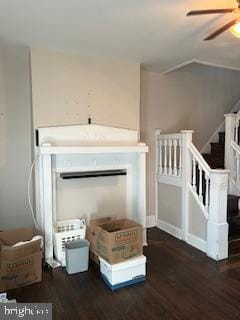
x: 119, y: 240
x: 21, y: 265
x: 91, y: 236
x: 94, y: 257
x: 123, y: 274
x: 91, y: 229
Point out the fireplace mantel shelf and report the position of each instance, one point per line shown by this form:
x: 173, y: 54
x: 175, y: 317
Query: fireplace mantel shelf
x: 91, y: 149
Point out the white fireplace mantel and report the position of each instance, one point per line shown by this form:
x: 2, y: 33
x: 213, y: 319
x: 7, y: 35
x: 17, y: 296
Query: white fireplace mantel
x: 87, y: 147
x: 91, y: 149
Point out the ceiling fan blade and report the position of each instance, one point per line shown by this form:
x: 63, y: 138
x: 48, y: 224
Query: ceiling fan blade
x: 222, y: 29
x: 210, y: 11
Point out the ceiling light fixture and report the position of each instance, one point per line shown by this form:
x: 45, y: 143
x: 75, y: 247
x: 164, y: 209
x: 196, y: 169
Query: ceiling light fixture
x: 235, y: 30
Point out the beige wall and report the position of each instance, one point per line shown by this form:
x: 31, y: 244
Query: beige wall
x: 170, y: 205
x: 15, y: 136
x: 197, y: 223
x: 195, y: 97
x: 68, y: 87
x: 170, y: 201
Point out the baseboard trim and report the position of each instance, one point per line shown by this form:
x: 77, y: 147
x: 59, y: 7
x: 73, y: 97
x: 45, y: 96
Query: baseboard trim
x: 169, y: 228
x: 151, y: 221
x: 170, y: 180
x: 193, y: 240
x: 197, y: 242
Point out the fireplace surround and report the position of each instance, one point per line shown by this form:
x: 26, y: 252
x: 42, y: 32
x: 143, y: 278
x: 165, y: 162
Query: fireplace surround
x: 85, y: 151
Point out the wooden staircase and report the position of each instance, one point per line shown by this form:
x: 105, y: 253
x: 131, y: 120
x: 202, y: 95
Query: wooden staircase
x: 180, y: 164
x: 215, y: 159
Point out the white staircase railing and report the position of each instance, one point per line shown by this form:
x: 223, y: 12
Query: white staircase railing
x: 169, y: 158
x: 179, y: 163
x: 200, y: 180
x: 232, y: 151
x: 236, y: 161
x: 170, y: 155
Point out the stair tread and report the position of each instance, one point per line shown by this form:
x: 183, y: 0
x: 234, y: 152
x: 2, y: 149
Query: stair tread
x: 217, y: 167
x: 214, y: 161
x: 234, y: 238
x: 232, y: 207
x: 221, y: 137
x: 234, y: 245
x: 213, y: 157
x: 231, y: 262
x: 234, y: 255
x: 232, y: 196
x: 235, y: 215
x: 216, y: 143
x: 234, y: 231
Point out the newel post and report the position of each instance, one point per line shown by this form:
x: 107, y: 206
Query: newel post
x: 217, y: 226
x: 230, y: 121
x: 157, y: 133
x: 186, y: 179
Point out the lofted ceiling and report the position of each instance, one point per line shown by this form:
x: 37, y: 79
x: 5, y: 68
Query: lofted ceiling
x: 155, y: 33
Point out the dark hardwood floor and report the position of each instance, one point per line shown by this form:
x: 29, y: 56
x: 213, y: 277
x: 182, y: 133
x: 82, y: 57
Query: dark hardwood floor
x: 182, y: 283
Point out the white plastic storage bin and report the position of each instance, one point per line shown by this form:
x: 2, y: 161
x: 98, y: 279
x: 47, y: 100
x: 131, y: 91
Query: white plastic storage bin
x: 124, y: 273
x: 66, y: 231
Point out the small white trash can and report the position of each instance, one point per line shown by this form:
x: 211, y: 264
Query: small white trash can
x: 77, y: 256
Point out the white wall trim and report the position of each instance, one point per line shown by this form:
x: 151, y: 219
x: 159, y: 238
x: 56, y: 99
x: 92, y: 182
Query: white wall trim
x: 151, y: 221
x: 89, y: 134
x: 169, y: 228
x: 201, y: 62
x: 221, y: 127
x: 193, y: 240
x: 170, y: 180
x: 197, y: 242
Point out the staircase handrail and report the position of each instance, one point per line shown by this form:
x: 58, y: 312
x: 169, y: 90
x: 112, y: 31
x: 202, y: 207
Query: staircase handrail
x: 206, y: 168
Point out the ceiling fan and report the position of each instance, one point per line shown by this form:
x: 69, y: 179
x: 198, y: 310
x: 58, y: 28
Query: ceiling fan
x: 233, y: 24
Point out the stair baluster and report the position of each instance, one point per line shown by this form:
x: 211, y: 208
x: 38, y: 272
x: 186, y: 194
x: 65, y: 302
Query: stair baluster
x: 170, y: 171
x: 180, y: 157
x: 165, y: 156
x: 237, y: 167
x: 207, y: 194
x: 236, y: 131
x: 194, y: 174
x: 175, y: 170
x: 200, y: 193
x: 160, y: 157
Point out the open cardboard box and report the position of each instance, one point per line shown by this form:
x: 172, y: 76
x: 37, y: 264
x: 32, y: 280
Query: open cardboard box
x: 21, y: 265
x: 119, y: 240
x: 91, y: 236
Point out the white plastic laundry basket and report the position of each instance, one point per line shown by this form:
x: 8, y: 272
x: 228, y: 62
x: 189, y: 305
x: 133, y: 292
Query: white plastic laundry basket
x: 66, y: 231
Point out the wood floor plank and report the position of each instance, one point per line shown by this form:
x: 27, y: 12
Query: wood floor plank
x: 182, y: 284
